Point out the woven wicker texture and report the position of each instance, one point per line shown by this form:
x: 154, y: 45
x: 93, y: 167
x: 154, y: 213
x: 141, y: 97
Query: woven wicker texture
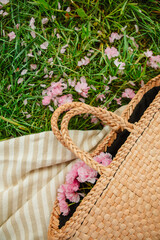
x: 125, y: 202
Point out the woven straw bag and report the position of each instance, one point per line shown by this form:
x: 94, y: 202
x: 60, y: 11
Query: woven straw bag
x: 125, y: 201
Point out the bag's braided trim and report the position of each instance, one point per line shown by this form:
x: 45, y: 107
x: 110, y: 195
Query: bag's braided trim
x: 110, y: 118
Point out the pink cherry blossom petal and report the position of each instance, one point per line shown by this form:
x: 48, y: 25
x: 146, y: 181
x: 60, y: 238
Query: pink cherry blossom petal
x: 31, y: 23
x: 115, y: 36
x: 44, y: 21
x: 25, y: 102
x: 11, y: 36
x: 120, y: 65
x: 33, y: 34
x: 44, y: 45
x: 148, y: 53
x: 24, y: 72
x: 111, y: 52
x: 128, y: 93
x: 20, y: 80
x: 68, y: 9
x: 33, y: 66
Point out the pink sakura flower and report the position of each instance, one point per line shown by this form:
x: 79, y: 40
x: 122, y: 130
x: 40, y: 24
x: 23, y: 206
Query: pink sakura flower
x: 4, y: 2
x: 128, y: 93
x: 50, y: 60
x: 68, y: 9
x: 101, y: 97
x: 154, y: 62
x: 104, y: 158
x: 93, y: 88
x: 83, y: 61
x: 44, y: 45
x: 28, y: 116
x: 81, y: 99
x: 20, y: 80
x: 11, y: 36
x: 44, y: 20
x: 51, y: 108
x: 5, y: 14
x: 59, y: 5
x: 82, y: 89
x: 94, y: 119
x: 63, y: 49
x: 64, y: 208
x: 118, y: 100
x: 65, y: 99
x: 33, y: 34
x: 33, y: 66
x: 115, y: 36
x: 46, y: 100
x: 72, y: 83
x: 106, y: 88
x: 111, y: 52
x: 31, y: 23
x: 120, y: 65
x: 86, y: 174
x: 25, y: 102
x: 148, y: 53
x: 24, y: 72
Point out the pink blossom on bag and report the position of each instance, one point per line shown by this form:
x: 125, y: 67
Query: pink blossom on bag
x: 86, y: 174
x: 111, y: 52
x: 103, y: 158
x: 128, y: 93
x: 11, y: 36
x: 148, y: 53
x: 65, y: 99
x: 73, y: 174
x: 115, y: 36
x: 73, y: 196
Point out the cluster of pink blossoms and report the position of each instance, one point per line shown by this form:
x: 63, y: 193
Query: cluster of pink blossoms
x: 80, y: 173
x: 154, y: 61
x: 54, y: 92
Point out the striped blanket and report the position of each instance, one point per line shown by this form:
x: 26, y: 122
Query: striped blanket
x: 31, y: 169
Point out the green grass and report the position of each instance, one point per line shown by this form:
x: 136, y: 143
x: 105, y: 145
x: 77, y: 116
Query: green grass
x: 90, y: 17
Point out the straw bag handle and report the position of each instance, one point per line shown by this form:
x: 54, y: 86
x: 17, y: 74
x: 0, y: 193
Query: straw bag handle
x: 117, y: 123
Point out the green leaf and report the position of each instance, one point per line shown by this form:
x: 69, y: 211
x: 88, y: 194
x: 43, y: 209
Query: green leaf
x: 81, y: 13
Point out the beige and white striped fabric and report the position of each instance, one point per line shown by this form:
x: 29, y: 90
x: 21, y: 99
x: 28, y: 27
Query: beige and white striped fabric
x: 31, y: 169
